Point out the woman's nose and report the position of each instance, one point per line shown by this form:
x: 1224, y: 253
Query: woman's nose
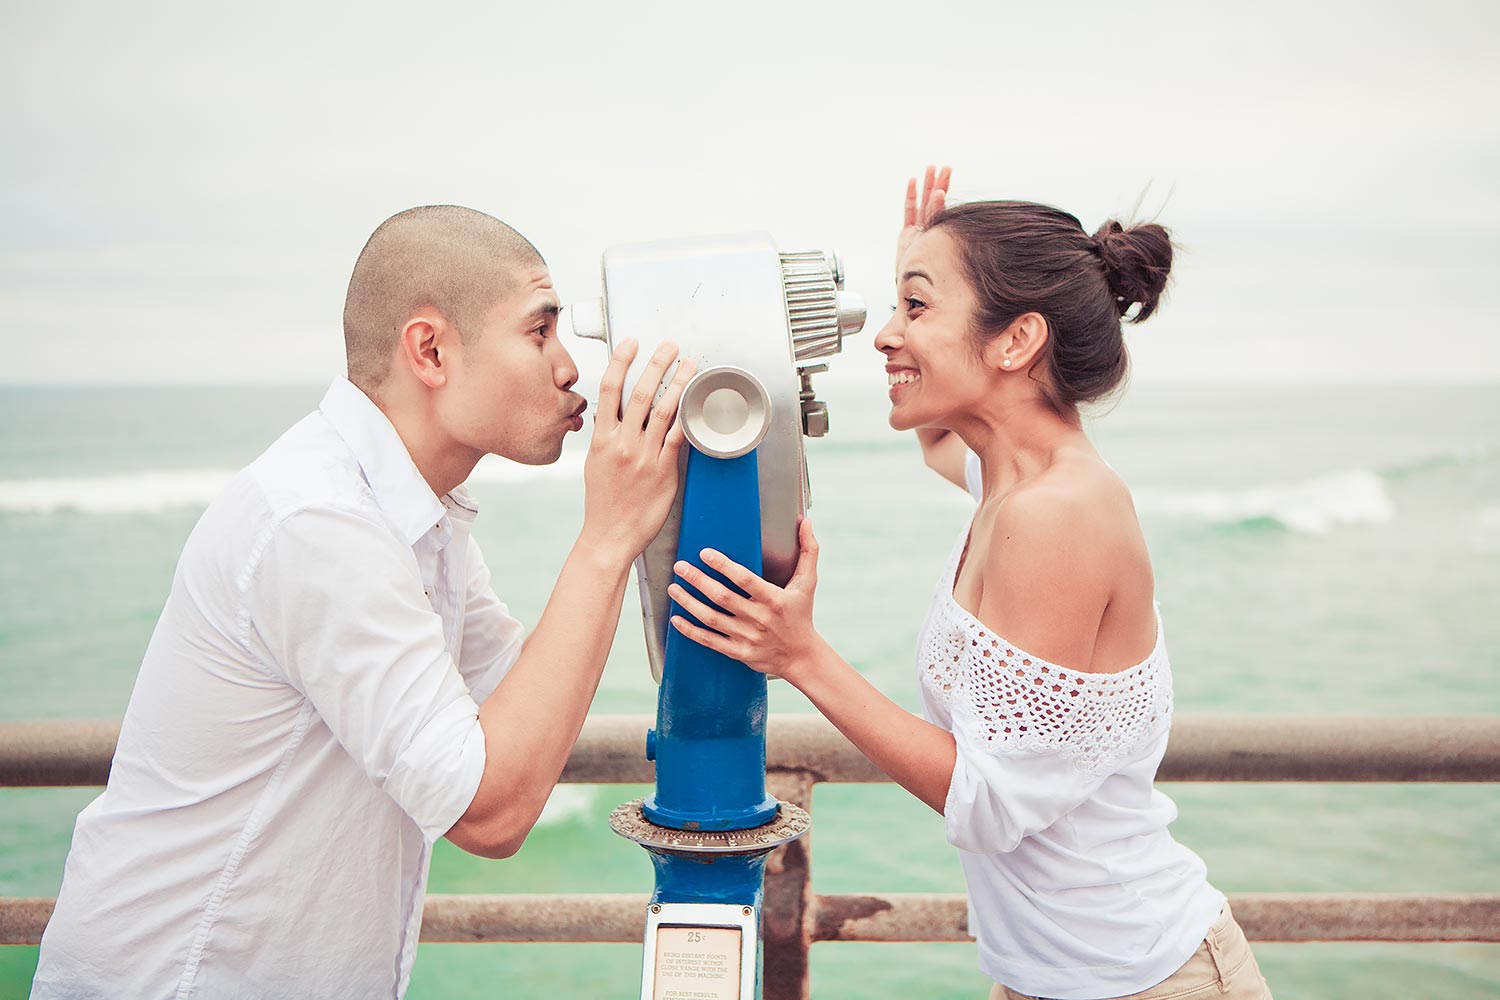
x: 889, y: 337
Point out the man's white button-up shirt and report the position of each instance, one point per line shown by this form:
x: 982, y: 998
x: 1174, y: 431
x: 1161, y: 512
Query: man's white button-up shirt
x: 304, y: 726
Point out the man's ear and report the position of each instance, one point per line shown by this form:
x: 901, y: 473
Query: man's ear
x: 423, y: 348
x: 1019, y: 344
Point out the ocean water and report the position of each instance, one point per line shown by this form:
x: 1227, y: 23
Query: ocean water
x: 1318, y: 549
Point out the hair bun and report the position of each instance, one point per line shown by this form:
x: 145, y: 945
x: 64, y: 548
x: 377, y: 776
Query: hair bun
x: 1136, y: 264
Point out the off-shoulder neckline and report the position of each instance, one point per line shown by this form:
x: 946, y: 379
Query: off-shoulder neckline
x: 950, y: 580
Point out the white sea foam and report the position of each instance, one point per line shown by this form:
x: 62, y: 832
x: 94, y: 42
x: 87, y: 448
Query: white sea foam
x: 494, y: 469
x: 1314, y: 507
x: 156, y: 490
x: 137, y: 492
x: 1457, y: 456
x: 566, y: 802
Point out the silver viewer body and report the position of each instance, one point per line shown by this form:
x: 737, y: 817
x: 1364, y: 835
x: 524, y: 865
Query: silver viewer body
x: 754, y: 319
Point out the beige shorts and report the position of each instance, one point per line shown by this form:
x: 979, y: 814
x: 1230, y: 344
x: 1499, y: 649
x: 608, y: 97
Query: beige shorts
x: 1221, y: 969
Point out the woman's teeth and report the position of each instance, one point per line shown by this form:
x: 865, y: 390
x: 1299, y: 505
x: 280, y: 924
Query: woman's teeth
x: 897, y: 378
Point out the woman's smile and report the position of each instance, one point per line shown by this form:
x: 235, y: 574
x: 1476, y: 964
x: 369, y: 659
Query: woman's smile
x: 901, y: 379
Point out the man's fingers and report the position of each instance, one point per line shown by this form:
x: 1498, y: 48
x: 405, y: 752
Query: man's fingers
x: 613, y: 382
x: 644, y: 393
x: 910, y: 216
x: 927, y: 179
x: 665, y: 410
x: 675, y: 439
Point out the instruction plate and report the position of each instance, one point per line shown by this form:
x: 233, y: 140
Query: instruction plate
x: 700, y: 951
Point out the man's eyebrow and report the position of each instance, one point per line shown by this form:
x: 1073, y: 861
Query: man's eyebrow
x: 917, y: 274
x: 546, y: 309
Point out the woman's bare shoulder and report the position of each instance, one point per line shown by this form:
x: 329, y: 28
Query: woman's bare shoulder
x: 1059, y: 545
x: 1077, y: 493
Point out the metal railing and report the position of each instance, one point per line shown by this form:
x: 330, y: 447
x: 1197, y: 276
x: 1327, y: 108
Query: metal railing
x: 803, y: 751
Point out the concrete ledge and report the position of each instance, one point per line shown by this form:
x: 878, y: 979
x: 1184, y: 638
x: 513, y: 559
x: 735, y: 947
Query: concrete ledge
x: 896, y: 917
x: 611, y: 750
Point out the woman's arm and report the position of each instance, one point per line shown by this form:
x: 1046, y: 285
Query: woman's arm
x: 913, y: 752
x: 945, y: 453
x: 941, y: 448
x: 771, y: 631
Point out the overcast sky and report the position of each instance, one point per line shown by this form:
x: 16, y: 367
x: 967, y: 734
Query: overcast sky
x: 185, y: 187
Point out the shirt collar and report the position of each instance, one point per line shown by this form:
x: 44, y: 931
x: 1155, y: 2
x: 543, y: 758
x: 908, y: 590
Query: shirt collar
x: 398, y: 487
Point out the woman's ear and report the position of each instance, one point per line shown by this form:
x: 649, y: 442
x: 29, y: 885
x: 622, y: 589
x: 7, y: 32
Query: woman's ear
x: 1019, y: 344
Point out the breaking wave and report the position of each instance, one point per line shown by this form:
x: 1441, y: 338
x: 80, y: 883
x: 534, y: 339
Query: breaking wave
x: 567, y: 802
x: 492, y: 469
x: 1312, y: 507
x: 1449, y: 458
x: 136, y: 492
x: 160, y: 490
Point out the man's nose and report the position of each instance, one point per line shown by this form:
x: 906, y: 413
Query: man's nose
x: 564, y: 371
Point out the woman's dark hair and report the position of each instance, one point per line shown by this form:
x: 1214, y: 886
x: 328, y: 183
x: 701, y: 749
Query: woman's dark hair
x: 1022, y: 257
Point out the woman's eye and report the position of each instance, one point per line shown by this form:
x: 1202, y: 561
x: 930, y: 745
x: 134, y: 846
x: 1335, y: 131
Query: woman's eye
x: 913, y: 304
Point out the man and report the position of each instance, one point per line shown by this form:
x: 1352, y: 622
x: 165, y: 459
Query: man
x: 333, y: 684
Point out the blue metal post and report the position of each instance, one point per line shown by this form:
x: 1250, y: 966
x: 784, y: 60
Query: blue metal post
x: 708, y: 878
x: 710, y: 738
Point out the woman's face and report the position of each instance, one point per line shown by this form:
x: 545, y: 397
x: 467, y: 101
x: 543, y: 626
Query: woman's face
x: 931, y: 364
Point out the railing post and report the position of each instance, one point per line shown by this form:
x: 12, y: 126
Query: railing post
x: 786, y: 918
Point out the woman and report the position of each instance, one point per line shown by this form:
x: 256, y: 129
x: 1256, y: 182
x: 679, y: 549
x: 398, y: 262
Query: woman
x: 1042, y: 664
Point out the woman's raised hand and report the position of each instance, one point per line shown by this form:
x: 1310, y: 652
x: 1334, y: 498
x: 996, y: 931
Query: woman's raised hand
x: 920, y: 213
x: 771, y: 630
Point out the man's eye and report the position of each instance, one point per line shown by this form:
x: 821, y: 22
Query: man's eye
x: 541, y: 331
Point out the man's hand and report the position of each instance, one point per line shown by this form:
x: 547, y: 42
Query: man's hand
x: 535, y: 714
x: 919, y: 214
x: 630, y: 475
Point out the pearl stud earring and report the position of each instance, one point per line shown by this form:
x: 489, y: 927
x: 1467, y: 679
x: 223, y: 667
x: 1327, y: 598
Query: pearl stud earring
x: 1006, y: 362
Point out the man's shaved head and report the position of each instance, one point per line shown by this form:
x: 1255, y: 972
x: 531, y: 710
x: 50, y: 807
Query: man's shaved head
x: 455, y: 260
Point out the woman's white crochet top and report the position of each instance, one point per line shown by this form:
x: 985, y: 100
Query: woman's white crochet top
x: 1022, y: 702
x: 1076, y: 889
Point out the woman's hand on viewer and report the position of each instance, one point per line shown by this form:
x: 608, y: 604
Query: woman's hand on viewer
x: 630, y: 473
x: 771, y: 629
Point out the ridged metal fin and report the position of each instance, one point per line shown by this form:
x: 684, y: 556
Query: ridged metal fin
x: 812, y: 306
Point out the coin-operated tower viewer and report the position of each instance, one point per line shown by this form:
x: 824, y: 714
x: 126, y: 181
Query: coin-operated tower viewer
x: 755, y: 320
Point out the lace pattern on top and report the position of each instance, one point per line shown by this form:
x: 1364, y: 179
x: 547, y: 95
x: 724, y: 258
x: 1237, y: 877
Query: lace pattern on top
x: 1013, y: 701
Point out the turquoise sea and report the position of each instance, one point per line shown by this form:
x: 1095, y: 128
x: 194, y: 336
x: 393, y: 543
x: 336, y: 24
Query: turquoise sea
x: 1318, y: 549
